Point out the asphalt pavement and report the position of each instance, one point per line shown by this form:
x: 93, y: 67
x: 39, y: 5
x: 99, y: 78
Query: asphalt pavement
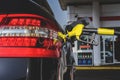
x: 98, y: 74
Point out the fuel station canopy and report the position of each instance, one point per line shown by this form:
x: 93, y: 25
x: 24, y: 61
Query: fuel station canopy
x: 65, y: 3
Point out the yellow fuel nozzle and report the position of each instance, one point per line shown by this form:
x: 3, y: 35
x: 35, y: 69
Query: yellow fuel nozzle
x: 62, y: 36
x: 76, y: 31
x: 105, y: 31
x: 55, y: 41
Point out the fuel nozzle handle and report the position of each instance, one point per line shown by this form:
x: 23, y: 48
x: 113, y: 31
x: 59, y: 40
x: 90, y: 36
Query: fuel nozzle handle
x: 102, y: 31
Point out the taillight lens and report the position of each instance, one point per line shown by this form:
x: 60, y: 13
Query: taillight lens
x: 24, y: 22
x: 18, y: 42
x: 27, y: 35
x: 26, y: 30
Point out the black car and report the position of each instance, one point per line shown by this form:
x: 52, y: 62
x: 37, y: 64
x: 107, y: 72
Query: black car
x: 28, y: 30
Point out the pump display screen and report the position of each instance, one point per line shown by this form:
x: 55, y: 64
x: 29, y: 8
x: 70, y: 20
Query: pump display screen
x: 84, y: 59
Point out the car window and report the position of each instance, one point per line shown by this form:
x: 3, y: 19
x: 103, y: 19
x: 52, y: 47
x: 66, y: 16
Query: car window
x: 45, y: 4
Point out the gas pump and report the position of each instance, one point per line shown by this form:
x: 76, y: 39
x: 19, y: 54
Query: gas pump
x: 75, y: 32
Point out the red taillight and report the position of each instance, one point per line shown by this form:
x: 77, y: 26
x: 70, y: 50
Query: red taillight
x: 13, y: 22
x: 24, y: 22
x: 26, y: 31
x: 18, y: 42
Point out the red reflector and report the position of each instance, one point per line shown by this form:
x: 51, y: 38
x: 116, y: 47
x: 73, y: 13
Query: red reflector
x: 28, y: 21
x: 38, y: 23
x: 14, y: 41
x: 28, y: 52
x: 13, y: 22
x: 21, y: 22
x: 34, y: 21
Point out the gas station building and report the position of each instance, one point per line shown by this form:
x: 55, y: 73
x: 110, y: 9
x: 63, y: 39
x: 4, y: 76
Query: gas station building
x: 103, y: 13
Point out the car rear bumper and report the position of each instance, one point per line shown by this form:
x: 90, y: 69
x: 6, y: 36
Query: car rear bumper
x: 29, y: 52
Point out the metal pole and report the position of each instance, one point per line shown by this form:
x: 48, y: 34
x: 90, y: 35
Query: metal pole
x: 96, y: 24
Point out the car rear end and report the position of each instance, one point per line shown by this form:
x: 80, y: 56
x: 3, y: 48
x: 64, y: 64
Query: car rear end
x: 28, y: 30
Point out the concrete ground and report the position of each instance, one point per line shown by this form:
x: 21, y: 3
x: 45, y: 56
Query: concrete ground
x: 98, y: 73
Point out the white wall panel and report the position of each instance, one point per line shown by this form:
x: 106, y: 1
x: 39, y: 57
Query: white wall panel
x: 86, y: 11
x: 110, y: 23
x: 81, y: 11
x: 110, y: 10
